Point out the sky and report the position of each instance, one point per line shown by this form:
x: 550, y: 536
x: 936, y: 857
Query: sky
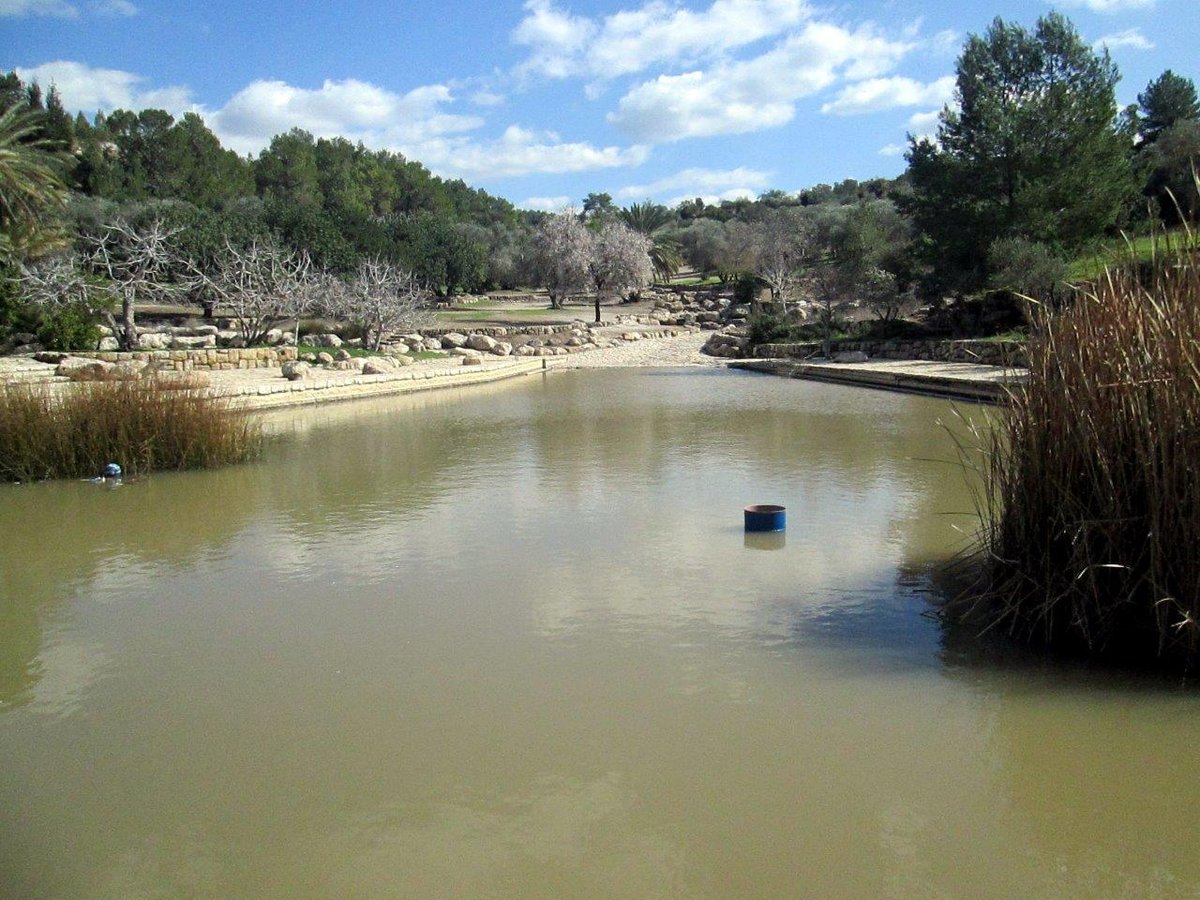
x: 545, y: 101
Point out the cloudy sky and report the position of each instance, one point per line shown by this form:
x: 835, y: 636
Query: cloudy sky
x: 543, y: 101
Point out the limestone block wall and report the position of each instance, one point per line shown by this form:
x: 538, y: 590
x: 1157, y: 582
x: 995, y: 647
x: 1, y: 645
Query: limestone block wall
x: 209, y: 359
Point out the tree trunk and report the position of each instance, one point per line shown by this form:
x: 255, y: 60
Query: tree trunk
x: 128, y: 329
x: 597, y: 307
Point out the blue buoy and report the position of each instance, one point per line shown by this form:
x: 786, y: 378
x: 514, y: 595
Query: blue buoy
x: 112, y: 470
x: 766, y: 517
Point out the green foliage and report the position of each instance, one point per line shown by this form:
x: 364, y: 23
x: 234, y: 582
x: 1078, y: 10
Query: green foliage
x: 1027, y: 268
x: 33, y: 192
x: 65, y: 328
x: 1032, y: 151
x: 745, y: 287
x: 1167, y: 99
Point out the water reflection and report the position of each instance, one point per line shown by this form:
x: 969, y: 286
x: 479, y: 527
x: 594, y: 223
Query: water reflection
x: 515, y: 642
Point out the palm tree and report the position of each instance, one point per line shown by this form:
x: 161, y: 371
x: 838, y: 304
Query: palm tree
x: 32, y: 187
x: 650, y: 219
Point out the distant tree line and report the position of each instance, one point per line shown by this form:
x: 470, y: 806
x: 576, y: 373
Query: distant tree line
x: 1031, y: 164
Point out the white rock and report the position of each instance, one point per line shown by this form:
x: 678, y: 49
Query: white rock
x: 295, y: 369
x: 481, y: 342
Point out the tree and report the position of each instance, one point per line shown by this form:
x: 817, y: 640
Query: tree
x: 137, y: 264
x: 262, y: 285
x: 561, y: 250
x: 619, y: 261
x: 783, y: 244
x: 1031, y: 150
x: 33, y: 192
x: 1168, y: 99
x: 383, y: 299
x: 597, y: 206
x: 1172, y: 162
x: 651, y: 219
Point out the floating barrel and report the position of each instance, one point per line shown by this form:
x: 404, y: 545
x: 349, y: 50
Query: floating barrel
x: 766, y: 517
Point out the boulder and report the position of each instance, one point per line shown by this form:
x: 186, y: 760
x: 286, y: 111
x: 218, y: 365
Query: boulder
x: 309, y: 358
x: 79, y: 369
x: 154, y: 340
x: 453, y: 340
x: 295, y: 369
x: 109, y: 345
x: 481, y: 342
x: 502, y: 348
x: 199, y: 342
x: 341, y: 354
x: 472, y: 360
x: 323, y: 340
x: 324, y: 359
x: 466, y: 353
x: 351, y: 364
x: 404, y: 360
x: 432, y: 343
x: 181, y: 381
x: 379, y: 365
x: 50, y: 357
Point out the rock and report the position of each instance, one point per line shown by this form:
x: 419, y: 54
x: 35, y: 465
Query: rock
x: 535, y: 343
x: 154, y: 340
x: 181, y: 381
x: 850, y: 356
x: 130, y: 369
x: 323, y: 340
x: 296, y: 369
x: 481, y: 342
x: 379, y: 365
x: 574, y: 342
x: 324, y: 359
x: 405, y: 360
x: 502, y: 348
x: 353, y: 364
x: 631, y: 336
x: 309, y: 358
x: 49, y: 357
x: 432, y: 343
x: 453, y: 340
x: 274, y: 336
x: 466, y: 353
x: 341, y: 354
x: 109, y: 345
x: 181, y: 342
x: 472, y: 360
x: 79, y: 369
x: 400, y: 348
x: 525, y: 350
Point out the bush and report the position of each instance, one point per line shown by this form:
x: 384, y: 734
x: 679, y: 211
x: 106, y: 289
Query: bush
x: 143, y: 428
x: 1092, y: 499
x: 745, y: 288
x: 67, y: 328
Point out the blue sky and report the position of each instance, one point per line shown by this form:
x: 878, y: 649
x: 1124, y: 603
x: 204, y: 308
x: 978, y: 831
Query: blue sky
x: 544, y: 101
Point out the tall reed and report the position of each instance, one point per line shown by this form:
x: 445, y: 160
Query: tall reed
x: 1092, y: 497
x: 136, y: 424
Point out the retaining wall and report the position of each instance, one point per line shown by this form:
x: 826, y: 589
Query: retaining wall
x: 211, y: 360
x: 991, y: 353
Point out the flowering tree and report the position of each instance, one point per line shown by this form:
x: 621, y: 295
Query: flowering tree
x: 783, y: 245
x: 562, y: 248
x: 619, y: 261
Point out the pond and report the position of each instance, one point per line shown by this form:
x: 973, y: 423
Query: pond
x: 512, y: 641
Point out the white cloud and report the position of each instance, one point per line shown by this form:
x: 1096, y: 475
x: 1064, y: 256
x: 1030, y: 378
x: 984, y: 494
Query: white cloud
x: 86, y: 89
x: 546, y: 204
x: 1130, y: 37
x: 555, y: 38
x: 875, y: 94
x: 946, y: 43
x: 1109, y: 6
x: 658, y: 32
x: 487, y: 98
x: 758, y: 93
x: 114, y: 7
x: 520, y: 151
x: 923, y: 121
x: 893, y: 149
x: 58, y: 8
x: 697, y: 182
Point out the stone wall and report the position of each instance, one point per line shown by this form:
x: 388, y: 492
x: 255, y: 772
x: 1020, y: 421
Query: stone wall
x: 992, y: 353
x: 212, y: 359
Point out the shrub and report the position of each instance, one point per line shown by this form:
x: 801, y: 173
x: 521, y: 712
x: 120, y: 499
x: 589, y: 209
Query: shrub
x: 67, y: 328
x: 1092, y: 498
x: 75, y: 434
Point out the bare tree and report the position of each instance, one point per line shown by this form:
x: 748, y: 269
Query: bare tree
x: 562, y: 247
x: 139, y: 265
x: 619, y: 261
x: 784, y: 244
x: 383, y: 299
x: 262, y: 286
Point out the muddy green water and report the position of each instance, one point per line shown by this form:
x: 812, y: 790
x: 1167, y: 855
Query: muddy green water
x: 513, y: 642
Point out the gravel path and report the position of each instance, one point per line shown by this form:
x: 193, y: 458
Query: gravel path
x: 667, y: 352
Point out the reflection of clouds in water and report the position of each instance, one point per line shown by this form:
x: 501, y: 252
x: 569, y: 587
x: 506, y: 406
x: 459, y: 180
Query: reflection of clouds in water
x: 65, y: 670
x: 565, y: 834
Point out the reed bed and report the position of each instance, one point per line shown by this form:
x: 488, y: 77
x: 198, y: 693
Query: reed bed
x: 137, y: 424
x: 1092, y: 479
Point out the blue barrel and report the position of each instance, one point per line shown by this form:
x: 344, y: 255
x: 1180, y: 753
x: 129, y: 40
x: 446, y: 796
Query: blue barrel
x: 766, y: 517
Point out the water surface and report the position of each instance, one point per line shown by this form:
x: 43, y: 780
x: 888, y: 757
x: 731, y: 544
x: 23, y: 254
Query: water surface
x: 513, y: 642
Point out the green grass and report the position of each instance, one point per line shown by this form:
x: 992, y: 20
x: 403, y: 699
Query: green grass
x: 695, y: 281
x: 136, y: 424
x: 1139, y: 249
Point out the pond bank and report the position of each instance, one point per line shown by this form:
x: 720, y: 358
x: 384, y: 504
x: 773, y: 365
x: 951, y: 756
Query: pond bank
x: 957, y: 381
